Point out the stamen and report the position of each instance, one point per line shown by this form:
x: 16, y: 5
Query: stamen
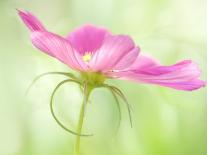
x: 87, y: 57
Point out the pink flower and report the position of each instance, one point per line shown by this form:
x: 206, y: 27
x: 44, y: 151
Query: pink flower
x: 91, y: 49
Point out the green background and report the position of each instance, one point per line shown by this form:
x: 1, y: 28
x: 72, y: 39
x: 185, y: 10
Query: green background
x: 166, y: 121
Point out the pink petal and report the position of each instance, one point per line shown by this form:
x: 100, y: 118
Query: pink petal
x: 113, y: 52
x: 59, y: 48
x: 31, y: 21
x: 87, y: 38
x: 183, y: 75
x: 143, y: 62
x: 128, y: 59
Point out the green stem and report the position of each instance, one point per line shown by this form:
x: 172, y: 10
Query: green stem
x: 86, y: 93
x: 79, y: 129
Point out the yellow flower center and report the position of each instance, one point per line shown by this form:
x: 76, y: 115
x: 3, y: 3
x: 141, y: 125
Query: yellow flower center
x: 87, y: 57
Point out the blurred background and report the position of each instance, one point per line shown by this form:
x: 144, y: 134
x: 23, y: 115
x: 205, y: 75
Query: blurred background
x: 166, y: 121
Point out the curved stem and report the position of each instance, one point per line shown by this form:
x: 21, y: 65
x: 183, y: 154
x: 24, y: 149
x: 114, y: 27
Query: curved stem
x: 118, y: 106
x: 121, y: 95
x: 52, y: 108
x: 48, y: 73
x: 86, y: 93
x: 119, y: 92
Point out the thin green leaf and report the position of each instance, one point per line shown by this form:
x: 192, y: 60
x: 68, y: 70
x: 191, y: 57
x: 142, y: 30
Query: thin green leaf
x: 118, y: 106
x: 121, y: 95
x: 119, y: 92
x: 52, y: 109
x: 48, y: 73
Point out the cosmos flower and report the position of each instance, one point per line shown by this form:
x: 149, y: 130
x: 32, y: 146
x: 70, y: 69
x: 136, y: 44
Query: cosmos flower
x: 93, y: 50
x: 98, y: 55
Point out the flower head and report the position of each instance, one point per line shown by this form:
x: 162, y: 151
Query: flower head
x: 91, y: 49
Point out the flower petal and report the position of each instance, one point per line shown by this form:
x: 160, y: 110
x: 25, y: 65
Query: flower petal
x: 57, y: 47
x: 128, y: 59
x: 31, y: 21
x: 183, y: 75
x: 143, y: 62
x: 87, y: 38
x: 113, y: 50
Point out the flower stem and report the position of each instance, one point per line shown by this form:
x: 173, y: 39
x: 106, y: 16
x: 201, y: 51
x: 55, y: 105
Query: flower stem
x: 79, y: 129
x: 86, y: 93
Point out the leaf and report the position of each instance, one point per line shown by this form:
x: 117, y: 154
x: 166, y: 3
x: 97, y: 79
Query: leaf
x: 118, y: 106
x: 48, y: 73
x: 122, y: 96
x: 52, y: 109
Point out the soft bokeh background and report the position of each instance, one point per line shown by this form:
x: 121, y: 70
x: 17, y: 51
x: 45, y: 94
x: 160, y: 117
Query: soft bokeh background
x: 166, y: 121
